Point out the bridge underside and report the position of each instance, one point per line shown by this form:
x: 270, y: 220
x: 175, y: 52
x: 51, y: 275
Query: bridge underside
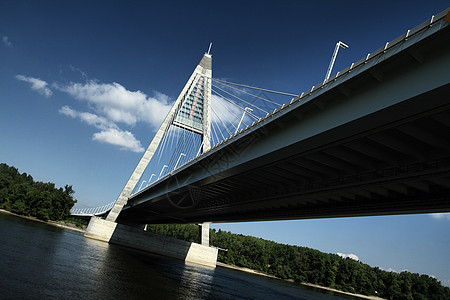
x: 393, y: 160
x: 401, y: 168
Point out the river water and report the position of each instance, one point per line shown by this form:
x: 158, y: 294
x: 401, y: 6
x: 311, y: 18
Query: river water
x: 39, y: 261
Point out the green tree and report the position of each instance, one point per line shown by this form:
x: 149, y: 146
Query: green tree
x: 21, y: 194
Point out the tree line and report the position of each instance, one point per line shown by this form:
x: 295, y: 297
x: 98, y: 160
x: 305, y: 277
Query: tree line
x: 303, y: 264
x: 20, y: 194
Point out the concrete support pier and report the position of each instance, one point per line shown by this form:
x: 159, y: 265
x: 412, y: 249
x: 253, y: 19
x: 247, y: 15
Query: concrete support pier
x: 204, y: 234
x: 137, y: 238
x: 100, y: 229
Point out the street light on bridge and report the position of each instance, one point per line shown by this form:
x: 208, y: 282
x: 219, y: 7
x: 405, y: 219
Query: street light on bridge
x: 162, y: 170
x: 333, y: 58
x: 150, y: 179
x: 182, y: 154
x: 247, y: 109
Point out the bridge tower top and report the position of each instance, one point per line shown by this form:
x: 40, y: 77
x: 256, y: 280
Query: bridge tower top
x: 193, y: 106
x: 191, y: 111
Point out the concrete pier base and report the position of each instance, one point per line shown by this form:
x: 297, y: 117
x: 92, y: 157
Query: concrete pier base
x: 99, y: 229
x: 137, y: 238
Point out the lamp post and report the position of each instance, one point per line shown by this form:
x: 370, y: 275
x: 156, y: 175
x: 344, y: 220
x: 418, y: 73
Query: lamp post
x: 162, y: 170
x: 142, y: 184
x: 150, y: 179
x: 247, y: 109
x: 333, y: 58
x: 182, y: 154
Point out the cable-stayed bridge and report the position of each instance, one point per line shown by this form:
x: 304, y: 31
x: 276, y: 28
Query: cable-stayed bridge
x: 372, y: 139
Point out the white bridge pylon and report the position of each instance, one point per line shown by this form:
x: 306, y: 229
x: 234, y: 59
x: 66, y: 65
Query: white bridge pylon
x: 206, y: 112
x: 191, y: 112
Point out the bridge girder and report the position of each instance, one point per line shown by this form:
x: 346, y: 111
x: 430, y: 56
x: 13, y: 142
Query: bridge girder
x: 380, y: 148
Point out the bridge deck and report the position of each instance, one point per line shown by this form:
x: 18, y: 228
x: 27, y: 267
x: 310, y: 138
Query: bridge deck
x: 373, y: 141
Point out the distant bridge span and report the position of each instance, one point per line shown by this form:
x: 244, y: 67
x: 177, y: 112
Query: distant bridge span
x: 373, y: 140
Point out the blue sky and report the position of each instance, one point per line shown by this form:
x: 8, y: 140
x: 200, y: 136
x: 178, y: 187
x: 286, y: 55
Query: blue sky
x: 84, y: 85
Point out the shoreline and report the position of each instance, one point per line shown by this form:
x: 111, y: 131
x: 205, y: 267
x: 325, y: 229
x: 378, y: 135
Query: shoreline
x: 51, y: 223
x: 251, y: 271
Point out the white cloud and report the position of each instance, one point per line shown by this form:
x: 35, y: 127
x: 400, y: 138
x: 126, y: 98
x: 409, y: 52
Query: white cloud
x: 441, y: 216
x: 6, y: 41
x: 97, y: 121
x: 77, y: 70
x: 351, y: 256
x: 110, y: 133
x: 112, y: 104
x: 226, y: 112
x: 89, y: 118
x: 37, y: 85
x: 446, y: 282
x: 125, y: 139
x: 391, y: 270
x: 65, y: 110
x: 119, y: 104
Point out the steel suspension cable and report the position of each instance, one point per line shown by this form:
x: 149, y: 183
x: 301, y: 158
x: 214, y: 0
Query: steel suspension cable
x: 231, y: 112
x: 255, y: 88
x: 175, y: 151
x: 218, y: 129
x: 174, y: 129
x: 240, y: 108
x: 221, y: 122
x: 161, y: 150
x: 214, y: 131
x: 246, y: 102
x: 231, y: 87
x: 227, y: 117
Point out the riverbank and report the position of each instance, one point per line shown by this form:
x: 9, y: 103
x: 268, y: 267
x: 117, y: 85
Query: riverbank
x: 247, y: 270
x: 60, y: 224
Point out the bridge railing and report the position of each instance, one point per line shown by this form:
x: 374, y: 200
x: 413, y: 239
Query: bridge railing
x: 91, y: 211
